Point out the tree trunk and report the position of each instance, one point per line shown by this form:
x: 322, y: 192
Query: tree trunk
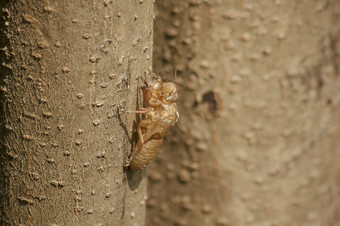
x: 68, y: 73
x: 257, y: 142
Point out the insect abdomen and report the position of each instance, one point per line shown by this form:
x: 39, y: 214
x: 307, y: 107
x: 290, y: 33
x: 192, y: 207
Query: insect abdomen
x: 146, y: 154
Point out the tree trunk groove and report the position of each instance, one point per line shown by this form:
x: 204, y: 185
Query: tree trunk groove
x: 68, y: 73
x: 257, y: 142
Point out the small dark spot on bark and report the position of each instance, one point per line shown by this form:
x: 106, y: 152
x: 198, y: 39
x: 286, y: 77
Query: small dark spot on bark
x: 29, y: 19
x: 48, y: 9
x: 47, y: 114
x: 42, y: 44
x: 107, y: 2
x: 30, y: 115
x: 96, y: 122
x: 171, y: 32
x: 30, y: 78
x: 12, y: 155
x: 100, y: 169
x: 86, y: 36
x: 57, y: 44
x: 50, y: 160
x: 57, y: 184
x: 78, y: 209
x: 101, y: 155
x: 65, y: 70
x: 108, y: 195
x: 78, y: 142
x: 214, y: 102
x: 37, y: 56
x: 27, y: 137
x: 42, y: 144
x: 112, y: 210
x: 329, y: 101
x: 90, y: 211
x: 25, y: 201
x: 39, y: 197
x: 94, y: 59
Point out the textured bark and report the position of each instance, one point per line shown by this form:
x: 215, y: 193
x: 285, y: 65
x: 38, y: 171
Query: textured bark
x: 68, y: 69
x: 258, y: 138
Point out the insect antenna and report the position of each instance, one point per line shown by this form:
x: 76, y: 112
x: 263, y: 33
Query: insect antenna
x: 175, y: 75
x: 174, y: 81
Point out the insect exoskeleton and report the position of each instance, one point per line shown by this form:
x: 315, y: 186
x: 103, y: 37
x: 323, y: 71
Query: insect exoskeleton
x: 161, y: 114
x: 169, y: 92
x: 151, y: 93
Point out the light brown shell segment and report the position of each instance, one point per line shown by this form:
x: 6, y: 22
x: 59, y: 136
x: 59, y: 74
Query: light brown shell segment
x: 147, y: 153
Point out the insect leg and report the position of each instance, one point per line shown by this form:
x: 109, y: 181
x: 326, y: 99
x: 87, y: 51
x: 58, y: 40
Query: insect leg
x: 140, y: 135
x: 156, y: 76
x: 138, y: 147
x: 145, y: 82
x: 140, y: 111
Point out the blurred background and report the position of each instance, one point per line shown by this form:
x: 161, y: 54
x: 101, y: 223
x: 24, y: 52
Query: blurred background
x: 258, y: 139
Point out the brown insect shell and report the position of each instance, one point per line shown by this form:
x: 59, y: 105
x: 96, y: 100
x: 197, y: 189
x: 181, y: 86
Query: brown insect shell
x: 152, y: 116
x: 169, y: 92
x: 152, y: 93
x: 168, y: 109
x: 161, y: 116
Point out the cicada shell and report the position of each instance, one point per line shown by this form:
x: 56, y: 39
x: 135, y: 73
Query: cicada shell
x: 161, y: 114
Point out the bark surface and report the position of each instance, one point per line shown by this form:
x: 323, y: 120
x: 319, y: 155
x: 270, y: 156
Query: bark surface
x: 68, y: 70
x: 257, y: 142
